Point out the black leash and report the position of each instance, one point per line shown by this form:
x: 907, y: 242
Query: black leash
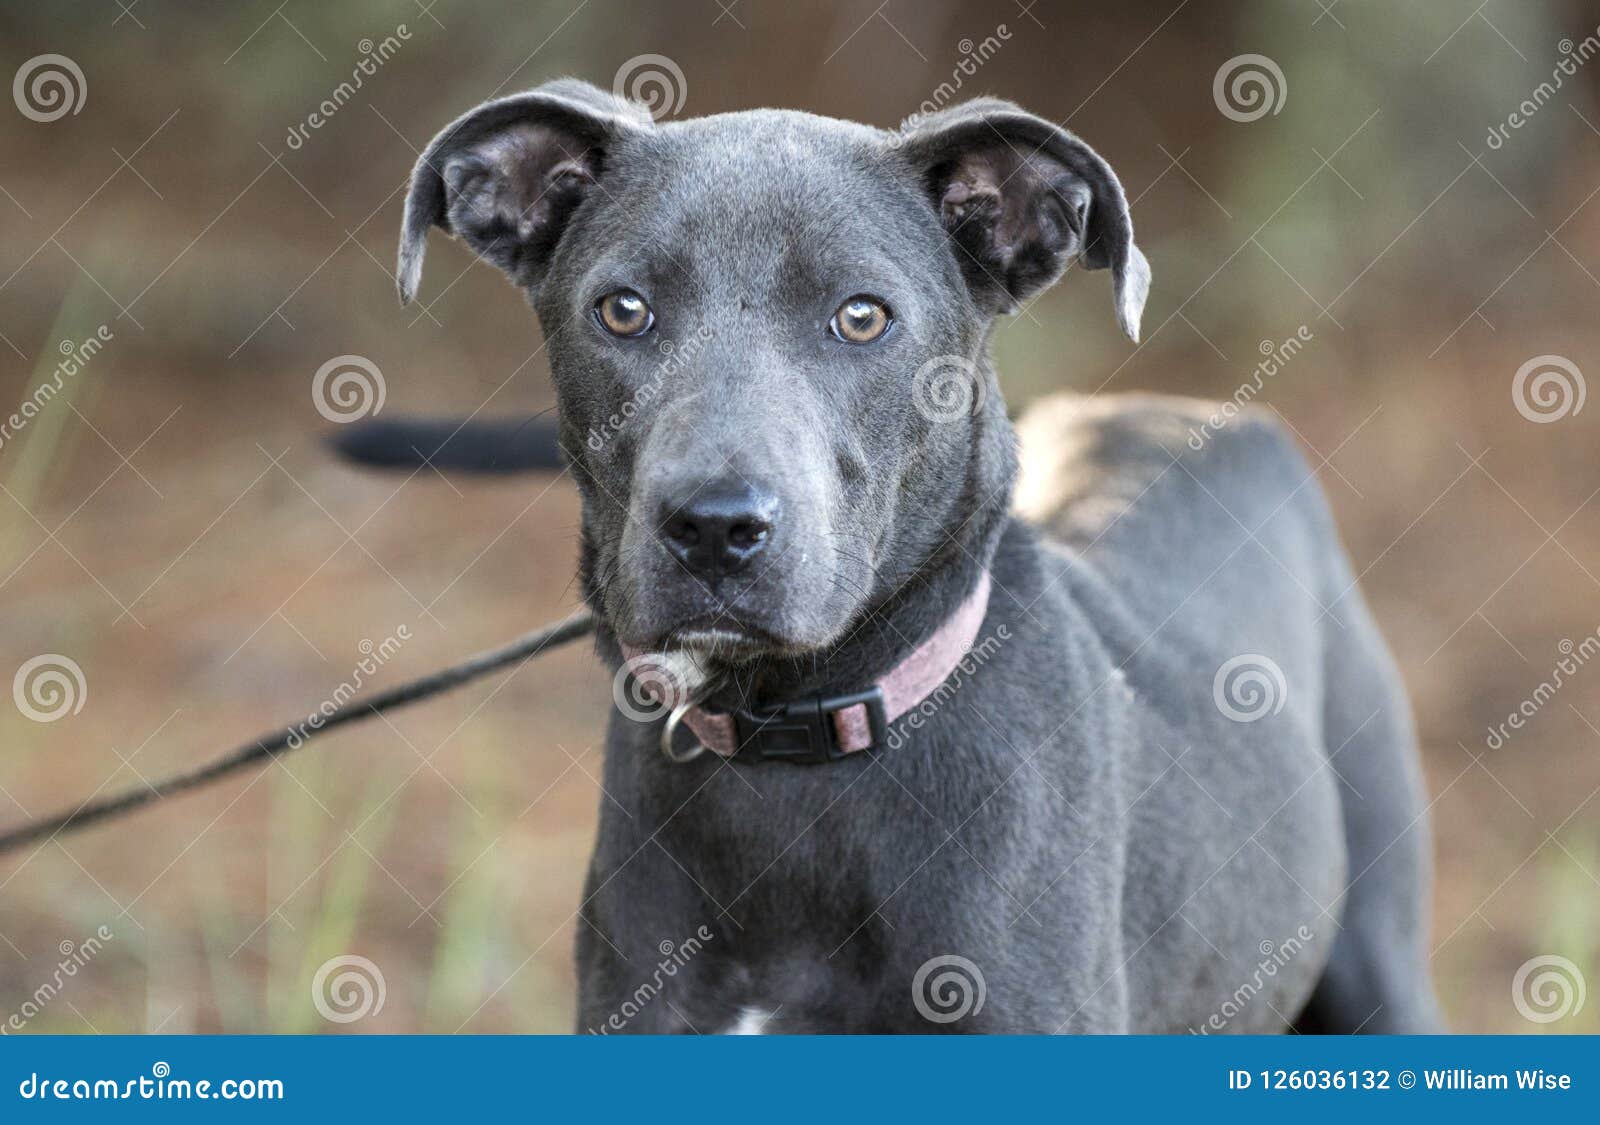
x: 297, y: 734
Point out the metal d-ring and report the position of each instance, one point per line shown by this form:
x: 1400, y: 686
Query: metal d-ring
x: 671, y: 728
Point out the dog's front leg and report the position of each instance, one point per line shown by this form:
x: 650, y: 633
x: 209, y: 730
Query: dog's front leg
x: 1103, y: 1011
x: 643, y: 970
x: 652, y: 949
x: 1073, y: 936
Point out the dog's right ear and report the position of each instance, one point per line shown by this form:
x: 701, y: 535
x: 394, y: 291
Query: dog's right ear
x: 1021, y: 198
x: 506, y: 177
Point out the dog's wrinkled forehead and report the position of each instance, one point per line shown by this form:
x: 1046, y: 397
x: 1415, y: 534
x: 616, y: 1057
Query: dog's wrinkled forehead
x: 765, y: 204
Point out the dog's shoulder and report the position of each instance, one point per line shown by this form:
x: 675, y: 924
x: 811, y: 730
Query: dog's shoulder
x: 1090, y: 460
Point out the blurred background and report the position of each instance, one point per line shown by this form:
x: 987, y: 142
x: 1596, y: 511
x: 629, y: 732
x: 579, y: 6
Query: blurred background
x: 1407, y: 188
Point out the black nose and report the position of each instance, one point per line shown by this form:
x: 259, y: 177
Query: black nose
x: 720, y: 528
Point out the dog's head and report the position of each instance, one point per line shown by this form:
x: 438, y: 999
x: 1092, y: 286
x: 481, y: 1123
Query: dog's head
x: 768, y: 334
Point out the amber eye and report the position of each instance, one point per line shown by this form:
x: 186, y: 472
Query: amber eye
x: 861, y: 320
x: 624, y: 313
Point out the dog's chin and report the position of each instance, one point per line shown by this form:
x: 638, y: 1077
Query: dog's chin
x: 728, y: 642
x: 721, y: 640
x: 728, y: 634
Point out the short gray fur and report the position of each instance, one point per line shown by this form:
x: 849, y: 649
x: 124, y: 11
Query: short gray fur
x: 1080, y: 819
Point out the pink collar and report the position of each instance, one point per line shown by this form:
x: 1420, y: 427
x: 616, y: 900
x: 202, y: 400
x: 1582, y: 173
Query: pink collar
x: 823, y: 728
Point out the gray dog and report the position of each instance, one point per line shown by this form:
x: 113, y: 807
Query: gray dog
x: 1133, y: 760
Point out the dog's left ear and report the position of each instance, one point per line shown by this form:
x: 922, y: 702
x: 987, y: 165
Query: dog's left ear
x: 1020, y: 198
x: 506, y: 177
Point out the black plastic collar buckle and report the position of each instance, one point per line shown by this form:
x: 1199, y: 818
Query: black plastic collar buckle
x: 802, y: 732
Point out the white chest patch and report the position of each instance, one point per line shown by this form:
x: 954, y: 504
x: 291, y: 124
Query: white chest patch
x: 751, y: 1021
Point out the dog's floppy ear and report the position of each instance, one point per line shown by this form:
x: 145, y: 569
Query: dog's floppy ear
x: 1020, y: 199
x: 506, y: 177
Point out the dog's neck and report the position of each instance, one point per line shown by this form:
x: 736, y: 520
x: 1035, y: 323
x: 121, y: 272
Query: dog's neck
x: 880, y: 637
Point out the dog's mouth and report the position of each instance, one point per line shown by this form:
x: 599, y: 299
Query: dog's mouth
x: 722, y: 639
